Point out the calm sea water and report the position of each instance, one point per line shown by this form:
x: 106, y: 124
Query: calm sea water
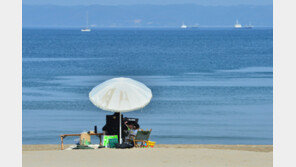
x: 210, y: 86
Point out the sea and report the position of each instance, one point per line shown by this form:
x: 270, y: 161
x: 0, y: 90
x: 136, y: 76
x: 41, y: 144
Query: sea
x: 209, y: 85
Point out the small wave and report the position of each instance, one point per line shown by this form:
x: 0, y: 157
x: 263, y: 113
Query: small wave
x: 210, y: 137
x: 250, y: 69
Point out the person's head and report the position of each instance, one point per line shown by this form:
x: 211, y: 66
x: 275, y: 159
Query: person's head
x: 133, y: 125
x: 130, y: 126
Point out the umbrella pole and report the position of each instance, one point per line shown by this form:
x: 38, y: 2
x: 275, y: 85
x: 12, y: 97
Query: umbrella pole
x: 120, y: 140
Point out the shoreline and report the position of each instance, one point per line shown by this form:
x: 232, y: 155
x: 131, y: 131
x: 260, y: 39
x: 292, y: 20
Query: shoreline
x: 254, y: 148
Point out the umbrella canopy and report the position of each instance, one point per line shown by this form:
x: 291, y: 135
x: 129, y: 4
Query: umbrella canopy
x: 120, y: 95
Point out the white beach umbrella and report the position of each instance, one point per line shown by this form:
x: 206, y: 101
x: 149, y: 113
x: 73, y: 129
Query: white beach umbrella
x: 120, y: 95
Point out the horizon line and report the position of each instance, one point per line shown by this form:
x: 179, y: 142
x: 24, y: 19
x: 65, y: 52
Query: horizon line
x: 139, y: 27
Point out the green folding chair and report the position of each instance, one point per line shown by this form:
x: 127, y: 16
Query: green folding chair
x: 141, y: 136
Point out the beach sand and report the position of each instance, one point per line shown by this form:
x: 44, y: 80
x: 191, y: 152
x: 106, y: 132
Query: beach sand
x: 162, y: 155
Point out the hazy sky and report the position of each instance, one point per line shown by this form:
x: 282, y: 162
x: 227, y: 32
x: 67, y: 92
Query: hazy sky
x: 157, y: 2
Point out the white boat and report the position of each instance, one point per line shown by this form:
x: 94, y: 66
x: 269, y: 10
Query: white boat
x: 237, y: 25
x: 249, y: 26
x: 195, y: 26
x: 183, y: 26
x: 87, y: 29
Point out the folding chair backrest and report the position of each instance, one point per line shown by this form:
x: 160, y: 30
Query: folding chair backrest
x: 142, y: 135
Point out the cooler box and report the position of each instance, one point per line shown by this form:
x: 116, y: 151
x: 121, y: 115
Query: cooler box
x: 112, y: 143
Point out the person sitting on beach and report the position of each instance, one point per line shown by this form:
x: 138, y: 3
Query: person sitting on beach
x: 132, y: 130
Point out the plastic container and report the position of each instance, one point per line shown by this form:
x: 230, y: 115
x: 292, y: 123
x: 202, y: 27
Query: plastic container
x: 150, y: 144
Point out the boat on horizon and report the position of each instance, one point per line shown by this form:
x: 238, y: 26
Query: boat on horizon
x: 237, y: 25
x: 183, y: 26
x: 194, y: 26
x: 249, y: 26
x: 87, y: 29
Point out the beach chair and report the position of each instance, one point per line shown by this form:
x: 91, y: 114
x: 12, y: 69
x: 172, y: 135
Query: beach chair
x: 141, y: 136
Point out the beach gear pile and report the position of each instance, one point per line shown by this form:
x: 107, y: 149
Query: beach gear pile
x: 111, y: 141
x: 120, y: 95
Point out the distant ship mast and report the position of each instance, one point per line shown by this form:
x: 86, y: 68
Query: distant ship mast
x: 87, y: 29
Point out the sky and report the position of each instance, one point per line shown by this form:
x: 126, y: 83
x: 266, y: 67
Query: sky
x: 155, y: 2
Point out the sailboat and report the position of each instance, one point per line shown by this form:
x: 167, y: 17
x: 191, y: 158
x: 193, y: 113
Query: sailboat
x: 87, y: 29
x: 237, y: 25
x: 183, y: 26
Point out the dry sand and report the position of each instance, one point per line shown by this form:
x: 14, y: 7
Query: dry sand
x: 161, y: 155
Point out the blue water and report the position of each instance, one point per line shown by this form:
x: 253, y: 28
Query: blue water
x: 210, y: 86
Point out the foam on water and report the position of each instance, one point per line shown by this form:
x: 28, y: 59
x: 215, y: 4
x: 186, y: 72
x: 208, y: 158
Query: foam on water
x: 250, y: 69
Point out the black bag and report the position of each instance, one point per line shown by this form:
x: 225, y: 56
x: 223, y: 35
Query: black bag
x: 124, y: 145
x: 112, y: 125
